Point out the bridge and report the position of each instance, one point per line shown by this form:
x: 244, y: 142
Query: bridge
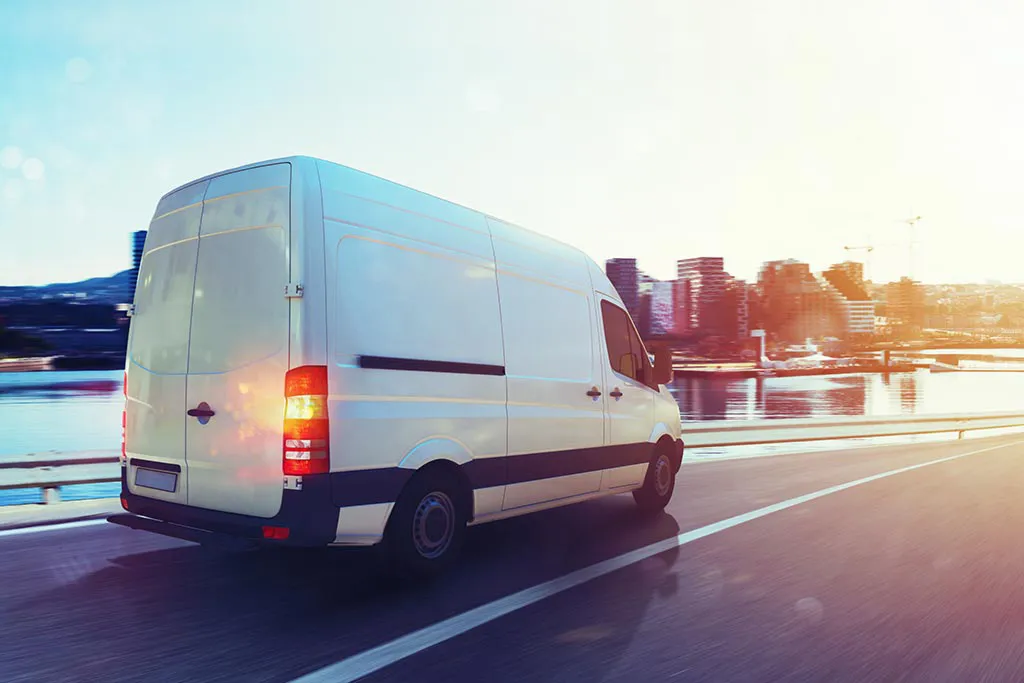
x: 869, y: 563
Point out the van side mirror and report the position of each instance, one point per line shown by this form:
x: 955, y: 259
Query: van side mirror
x: 662, y: 365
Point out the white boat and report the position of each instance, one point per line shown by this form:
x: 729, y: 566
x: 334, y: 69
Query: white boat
x: 25, y: 364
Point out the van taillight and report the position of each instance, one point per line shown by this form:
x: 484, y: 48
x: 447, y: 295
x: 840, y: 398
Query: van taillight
x: 306, y: 431
x: 124, y: 419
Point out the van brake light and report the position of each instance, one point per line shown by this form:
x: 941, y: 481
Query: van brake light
x: 306, y: 424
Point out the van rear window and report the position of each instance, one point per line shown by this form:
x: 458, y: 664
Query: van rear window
x: 163, y: 304
x: 163, y: 295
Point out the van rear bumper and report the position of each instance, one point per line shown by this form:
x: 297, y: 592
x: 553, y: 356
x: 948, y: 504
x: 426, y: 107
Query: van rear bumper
x: 309, y: 515
x: 156, y: 526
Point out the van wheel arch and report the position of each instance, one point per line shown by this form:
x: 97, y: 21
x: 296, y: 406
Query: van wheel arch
x: 667, y: 444
x: 457, y: 474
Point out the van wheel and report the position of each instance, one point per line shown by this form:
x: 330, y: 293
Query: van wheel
x: 659, y: 485
x: 427, y: 526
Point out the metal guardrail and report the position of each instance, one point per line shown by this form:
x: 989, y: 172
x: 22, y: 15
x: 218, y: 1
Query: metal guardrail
x: 51, y: 471
x: 763, y: 432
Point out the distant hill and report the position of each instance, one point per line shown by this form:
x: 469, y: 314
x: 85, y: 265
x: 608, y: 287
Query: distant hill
x: 113, y: 289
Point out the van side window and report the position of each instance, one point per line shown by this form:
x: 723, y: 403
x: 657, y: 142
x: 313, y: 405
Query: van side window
x: 617, y: 332
x: 645, y: 371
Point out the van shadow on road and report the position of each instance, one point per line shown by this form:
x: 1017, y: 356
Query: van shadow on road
x: 187, y: 613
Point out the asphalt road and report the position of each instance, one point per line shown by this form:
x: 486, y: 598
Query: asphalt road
x: 912, y: 577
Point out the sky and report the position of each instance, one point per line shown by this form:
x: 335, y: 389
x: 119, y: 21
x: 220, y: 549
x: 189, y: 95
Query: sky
x: 655, y: 130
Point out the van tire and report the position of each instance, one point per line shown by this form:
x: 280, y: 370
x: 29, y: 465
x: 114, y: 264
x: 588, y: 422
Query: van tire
x: 659, y: 484
x: 427, y: 527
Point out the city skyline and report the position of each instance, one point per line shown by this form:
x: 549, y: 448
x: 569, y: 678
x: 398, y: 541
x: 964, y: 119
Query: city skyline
x: 683, y: 129
x: 791, y: 303
x: 130, y: 264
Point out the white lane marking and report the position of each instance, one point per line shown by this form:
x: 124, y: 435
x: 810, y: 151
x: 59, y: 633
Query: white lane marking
x: 375, y: 659
x: 51, y: 527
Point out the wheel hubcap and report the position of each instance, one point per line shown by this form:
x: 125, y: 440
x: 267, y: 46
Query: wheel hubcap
x: 433, y: 525
x: 662, y: 475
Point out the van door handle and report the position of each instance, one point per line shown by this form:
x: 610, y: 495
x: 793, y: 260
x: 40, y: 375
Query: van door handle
x: 202, y: 410
x: 594, y: 391
x: 616, y: 394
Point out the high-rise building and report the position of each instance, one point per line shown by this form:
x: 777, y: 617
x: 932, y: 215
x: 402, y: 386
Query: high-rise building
x: 849, y: 293
x: 793, y: 305
x: 642, y: 317
x: 138, y: 244
x: 904, y: 303
x: 663, y: 314
x: 624, y: 276
x: 742, y: 297
x: 707, y: 279
x: 681, y: 307
x: 853, y: 270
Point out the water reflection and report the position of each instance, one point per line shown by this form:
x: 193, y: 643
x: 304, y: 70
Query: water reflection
x: 908, y: 393
x: 808, y: 397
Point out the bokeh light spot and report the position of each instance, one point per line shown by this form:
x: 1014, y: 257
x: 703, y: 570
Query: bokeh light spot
x: 33, y: 169
x: 11, y: 157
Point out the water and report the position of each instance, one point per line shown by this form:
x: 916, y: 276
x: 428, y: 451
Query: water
x: 910, y: 393
x: 60, y: 411
x: 1017, y: 354
x: 79, y: 411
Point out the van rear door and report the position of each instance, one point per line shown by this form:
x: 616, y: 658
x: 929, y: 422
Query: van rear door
x: 238, y: 347
x: 158, y: 349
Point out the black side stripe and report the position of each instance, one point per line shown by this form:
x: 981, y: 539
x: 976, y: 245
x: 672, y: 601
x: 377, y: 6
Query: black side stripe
x: 418, y: 365
x: 383, y: 485
x: 536, y: 466
x: 152, y: 465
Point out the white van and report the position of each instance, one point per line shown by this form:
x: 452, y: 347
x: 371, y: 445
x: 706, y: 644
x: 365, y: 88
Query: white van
x: 321, y: 357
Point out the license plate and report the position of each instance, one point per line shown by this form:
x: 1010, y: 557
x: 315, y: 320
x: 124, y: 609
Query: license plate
x: 152, y: 479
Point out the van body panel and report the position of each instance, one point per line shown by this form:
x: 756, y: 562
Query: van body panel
x: 308, y: 313
x: 602, y: 285
x: 551, y: 362
x: 433, y: 369
x: 362, y: 524
x: 546, y: 505
x: 157, y: 358
x: 660, y: 429
x: 666, y: 413
x: 359, y: 199
x: 442, y: 448
x: 238, y: 349
x: 487, y: 502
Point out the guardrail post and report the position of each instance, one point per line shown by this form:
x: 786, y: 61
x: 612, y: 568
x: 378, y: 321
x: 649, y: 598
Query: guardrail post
x: 51, y: 494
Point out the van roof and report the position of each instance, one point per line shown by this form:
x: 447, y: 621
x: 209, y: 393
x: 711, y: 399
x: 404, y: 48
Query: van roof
x: 326, y: 161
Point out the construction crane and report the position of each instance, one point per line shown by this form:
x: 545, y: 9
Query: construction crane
x: 867, y: 259
x: 912, y: 222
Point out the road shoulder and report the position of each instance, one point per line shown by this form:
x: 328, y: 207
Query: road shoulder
x: 22, y: 516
